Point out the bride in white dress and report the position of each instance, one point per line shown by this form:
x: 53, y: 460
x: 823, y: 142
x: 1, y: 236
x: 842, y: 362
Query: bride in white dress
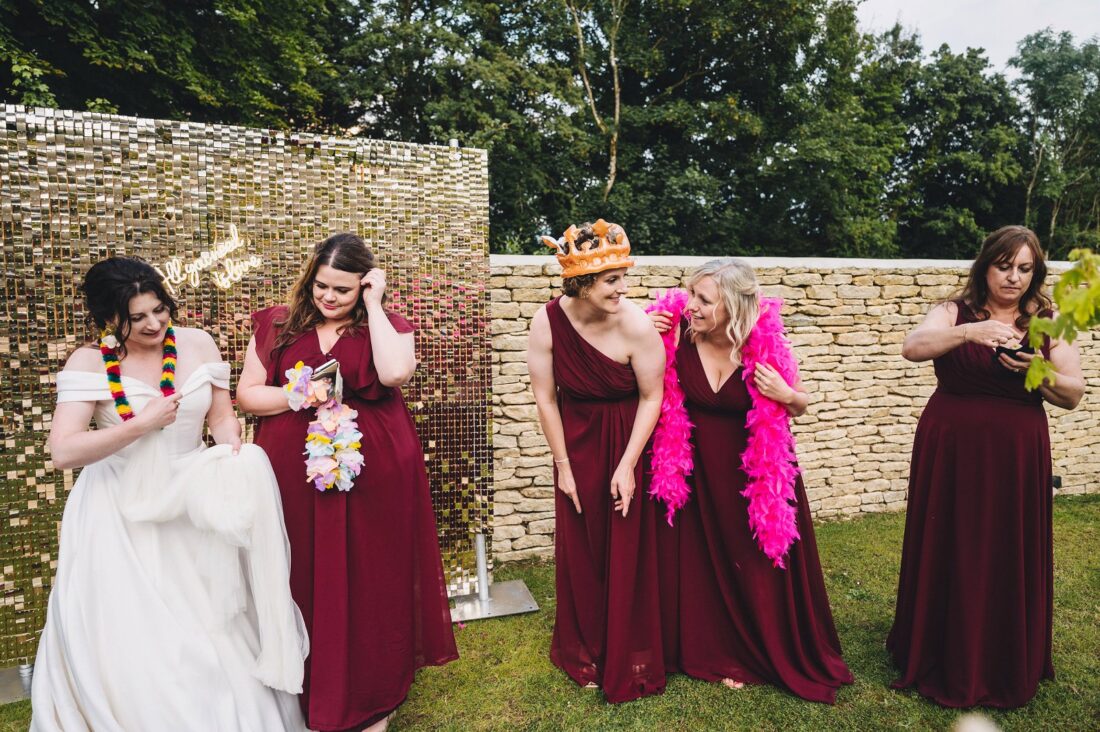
x: 171, y: 607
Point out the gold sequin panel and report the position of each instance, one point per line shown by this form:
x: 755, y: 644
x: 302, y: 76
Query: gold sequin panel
x: 229, y: 214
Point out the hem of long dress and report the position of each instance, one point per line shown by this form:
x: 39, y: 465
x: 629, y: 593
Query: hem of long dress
x: 826, y: 693
x: 640, y: 688
x: 936, y: 695
x: 378, y: 716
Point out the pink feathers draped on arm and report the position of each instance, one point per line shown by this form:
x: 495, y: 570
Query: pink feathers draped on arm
x: 769, y: 456
x: 672, y: 438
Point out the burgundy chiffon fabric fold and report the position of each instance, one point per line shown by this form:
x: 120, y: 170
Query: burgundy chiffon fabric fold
x: 975, y: 596
x: 365, y: 564
x: 607, y: 628
x: 727, y: 611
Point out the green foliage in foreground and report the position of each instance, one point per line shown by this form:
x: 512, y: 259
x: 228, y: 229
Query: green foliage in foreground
x: 1077, y: 299
x: 504, y: 680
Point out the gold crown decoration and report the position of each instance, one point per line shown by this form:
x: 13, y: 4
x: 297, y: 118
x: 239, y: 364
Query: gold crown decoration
x: 612, y: 250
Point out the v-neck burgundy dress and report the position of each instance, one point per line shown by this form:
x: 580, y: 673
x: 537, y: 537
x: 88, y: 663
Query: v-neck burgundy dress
x: 975, y: 596
x: 607, y: 627
x: 728, y: 613
x: 365, y: 564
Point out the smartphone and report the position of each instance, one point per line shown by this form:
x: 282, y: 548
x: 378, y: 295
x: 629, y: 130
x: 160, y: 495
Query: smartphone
x: 1014, y: 352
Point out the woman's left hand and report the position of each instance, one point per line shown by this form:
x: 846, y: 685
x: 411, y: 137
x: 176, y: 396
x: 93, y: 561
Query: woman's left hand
x: 771, y: 384
x: 622, y: 487
x: 234, y: 443
x: 1019, y: 364
x: 374, y: 287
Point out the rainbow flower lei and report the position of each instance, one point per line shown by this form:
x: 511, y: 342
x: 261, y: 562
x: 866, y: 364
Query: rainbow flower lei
x: 333, y: 459
x: 108, y: 348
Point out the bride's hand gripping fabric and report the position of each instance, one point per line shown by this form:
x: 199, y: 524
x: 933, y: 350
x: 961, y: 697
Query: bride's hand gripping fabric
x: 222, y: 420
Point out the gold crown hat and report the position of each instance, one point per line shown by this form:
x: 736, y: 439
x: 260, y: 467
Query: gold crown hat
x: 612, y: 250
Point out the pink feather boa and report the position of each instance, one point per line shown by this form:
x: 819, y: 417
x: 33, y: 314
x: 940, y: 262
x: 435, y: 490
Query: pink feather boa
x: 672, y: 438
x: 769, y: 459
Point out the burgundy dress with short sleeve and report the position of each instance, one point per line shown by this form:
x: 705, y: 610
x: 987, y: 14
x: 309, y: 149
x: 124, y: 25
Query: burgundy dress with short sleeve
x: 973, y: 619
x: 728, y: 612
x: 365, y: 564
x: 607, y: 627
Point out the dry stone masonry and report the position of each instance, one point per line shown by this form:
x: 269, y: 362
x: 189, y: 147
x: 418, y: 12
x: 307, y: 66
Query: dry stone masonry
x: 847, y: 320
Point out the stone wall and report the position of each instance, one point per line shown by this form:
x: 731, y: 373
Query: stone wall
x: 847, y: 319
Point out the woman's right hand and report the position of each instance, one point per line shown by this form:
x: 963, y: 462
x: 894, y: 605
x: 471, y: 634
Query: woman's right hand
x: 991, y: 333
x: 159, y: 412
x: 567, y: 485
x: 661, y: 319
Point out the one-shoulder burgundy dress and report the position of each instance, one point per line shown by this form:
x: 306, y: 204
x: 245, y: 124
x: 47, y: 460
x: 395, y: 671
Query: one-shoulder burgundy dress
x: 728, y: 612
x: 607, y: 628
x: 974, y: 610
x: 365, y: 565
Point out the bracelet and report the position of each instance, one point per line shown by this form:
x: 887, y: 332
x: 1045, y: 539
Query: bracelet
x: 563, y: 460
x: 965, y: 331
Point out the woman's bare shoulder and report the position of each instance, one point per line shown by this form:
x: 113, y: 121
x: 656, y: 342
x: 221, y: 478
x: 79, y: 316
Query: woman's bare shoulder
x: 85, y: 358
x: 197, y: 341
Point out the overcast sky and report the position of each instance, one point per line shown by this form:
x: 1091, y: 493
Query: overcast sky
x: 995, y: 25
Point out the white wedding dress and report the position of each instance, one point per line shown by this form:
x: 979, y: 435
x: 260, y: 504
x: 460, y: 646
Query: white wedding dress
x: 171, y: 607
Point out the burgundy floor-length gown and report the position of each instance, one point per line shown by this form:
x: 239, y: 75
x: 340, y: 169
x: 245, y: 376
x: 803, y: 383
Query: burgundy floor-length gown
x: 975, y: 596
x: 727, y: 611
x: 607, y: 629
x: 365, y: 564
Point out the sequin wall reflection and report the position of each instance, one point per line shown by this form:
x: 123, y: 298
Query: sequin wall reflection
x: 228, y: 214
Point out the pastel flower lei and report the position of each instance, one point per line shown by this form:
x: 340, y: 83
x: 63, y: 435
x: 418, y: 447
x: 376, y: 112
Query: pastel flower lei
x: 108, y: 347
x: 333, y: 459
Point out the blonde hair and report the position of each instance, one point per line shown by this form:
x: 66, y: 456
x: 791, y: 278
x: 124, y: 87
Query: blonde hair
x: 739, y: 293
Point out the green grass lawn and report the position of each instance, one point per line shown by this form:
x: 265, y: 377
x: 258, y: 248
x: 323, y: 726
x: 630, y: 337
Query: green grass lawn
x: 504, y: 680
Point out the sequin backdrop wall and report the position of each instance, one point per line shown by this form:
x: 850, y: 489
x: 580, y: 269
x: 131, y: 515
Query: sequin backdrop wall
x: 228, y: 214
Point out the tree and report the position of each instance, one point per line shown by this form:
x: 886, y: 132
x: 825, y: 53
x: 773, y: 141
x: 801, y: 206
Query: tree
x: 961, y: 156
x: 232, y: 61
x: 1060, y: 86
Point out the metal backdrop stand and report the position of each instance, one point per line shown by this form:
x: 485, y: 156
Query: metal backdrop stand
x: 492, y: 600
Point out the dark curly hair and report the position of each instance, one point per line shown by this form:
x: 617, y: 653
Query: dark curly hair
x: 111, y: 284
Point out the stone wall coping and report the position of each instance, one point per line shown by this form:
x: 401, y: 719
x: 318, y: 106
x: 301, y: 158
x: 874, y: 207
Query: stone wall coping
x: 516, y: 260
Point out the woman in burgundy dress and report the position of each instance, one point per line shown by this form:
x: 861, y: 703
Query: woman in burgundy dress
x: 596, y: 366
x: 744, y: 600
x: 365, y: 562
x: 973, y: 618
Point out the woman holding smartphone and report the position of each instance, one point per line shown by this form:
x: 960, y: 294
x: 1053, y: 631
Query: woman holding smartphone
x: 365, y: 567
x: 975, y: 597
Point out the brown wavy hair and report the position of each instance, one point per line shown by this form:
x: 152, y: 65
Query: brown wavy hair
x: 345, y: 252
x: 1002, y: 246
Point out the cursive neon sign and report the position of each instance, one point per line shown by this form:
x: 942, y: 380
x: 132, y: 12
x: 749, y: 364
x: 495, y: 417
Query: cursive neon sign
x: 223, y: 269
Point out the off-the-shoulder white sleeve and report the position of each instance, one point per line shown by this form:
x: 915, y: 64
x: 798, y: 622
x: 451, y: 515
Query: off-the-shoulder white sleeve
x: 215, y: 373
x: 82, y: 386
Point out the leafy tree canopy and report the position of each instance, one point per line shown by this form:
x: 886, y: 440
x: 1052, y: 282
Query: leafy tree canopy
x: 733, y: 126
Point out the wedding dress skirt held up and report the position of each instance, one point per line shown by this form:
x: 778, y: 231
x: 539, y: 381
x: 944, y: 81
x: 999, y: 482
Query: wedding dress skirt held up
x: 171, y: 606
